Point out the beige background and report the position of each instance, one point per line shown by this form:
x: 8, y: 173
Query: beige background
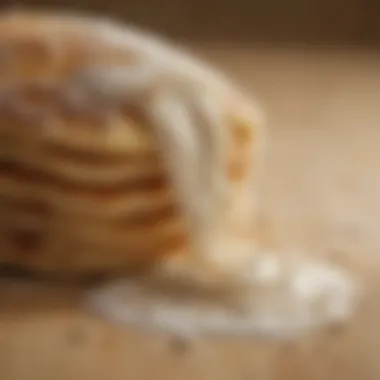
x: 321, y: 194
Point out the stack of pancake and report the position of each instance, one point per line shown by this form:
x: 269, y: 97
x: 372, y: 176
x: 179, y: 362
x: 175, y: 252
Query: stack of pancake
x: 83, y: 187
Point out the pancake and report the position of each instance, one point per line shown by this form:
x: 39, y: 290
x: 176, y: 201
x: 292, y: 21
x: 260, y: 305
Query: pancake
x: 81, y: 181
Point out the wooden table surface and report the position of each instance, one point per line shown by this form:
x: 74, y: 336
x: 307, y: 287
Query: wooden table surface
x: 321, y: 194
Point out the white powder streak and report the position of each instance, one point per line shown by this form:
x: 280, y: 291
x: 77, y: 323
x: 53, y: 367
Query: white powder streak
x: 288, y: 304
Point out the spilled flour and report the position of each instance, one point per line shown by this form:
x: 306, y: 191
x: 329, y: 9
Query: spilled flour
x: 287, y: 307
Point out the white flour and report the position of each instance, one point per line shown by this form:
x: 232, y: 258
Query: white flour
x: 313, y: 297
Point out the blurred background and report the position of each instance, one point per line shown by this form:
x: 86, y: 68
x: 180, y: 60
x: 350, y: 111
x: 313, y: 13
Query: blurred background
x: 292, y: 22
